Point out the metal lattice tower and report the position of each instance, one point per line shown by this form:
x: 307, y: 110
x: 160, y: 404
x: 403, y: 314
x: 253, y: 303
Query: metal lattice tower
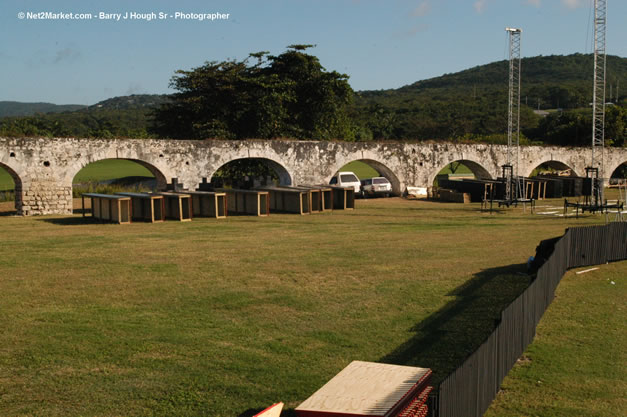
x: 513, y: 187
x: 598, y: 101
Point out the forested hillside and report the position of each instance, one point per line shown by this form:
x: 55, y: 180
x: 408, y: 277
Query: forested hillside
x: 470, y: 105
x: 15, y: 108
x: 127, y: 116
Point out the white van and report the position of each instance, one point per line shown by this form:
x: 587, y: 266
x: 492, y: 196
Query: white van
x: 346, y: 179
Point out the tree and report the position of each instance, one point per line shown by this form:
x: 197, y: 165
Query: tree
x: 289, y: 95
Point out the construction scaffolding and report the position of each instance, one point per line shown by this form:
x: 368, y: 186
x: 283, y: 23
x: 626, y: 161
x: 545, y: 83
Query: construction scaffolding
x: 594, y: 200
x: 513, y: 184
x: 596, y: 171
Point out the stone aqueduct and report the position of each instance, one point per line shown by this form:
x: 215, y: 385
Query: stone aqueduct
x: 43, y: 169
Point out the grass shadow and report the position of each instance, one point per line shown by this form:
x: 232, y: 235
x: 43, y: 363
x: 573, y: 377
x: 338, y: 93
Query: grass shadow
x: 252, y: 411
x: 70, y: 221
x: 446, y: 338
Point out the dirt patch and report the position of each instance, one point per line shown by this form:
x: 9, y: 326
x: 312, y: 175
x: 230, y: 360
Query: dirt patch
x: 7, y: 208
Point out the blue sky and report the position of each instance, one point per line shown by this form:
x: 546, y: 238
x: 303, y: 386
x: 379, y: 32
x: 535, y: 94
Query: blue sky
x: 379, y: 44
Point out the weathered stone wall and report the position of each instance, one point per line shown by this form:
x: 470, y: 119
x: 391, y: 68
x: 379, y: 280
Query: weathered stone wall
x: 43, y: 169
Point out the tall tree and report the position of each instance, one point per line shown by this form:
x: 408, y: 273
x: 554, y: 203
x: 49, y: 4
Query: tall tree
x: 289, y: 95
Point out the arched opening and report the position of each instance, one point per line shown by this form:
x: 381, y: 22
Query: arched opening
x: 618, y: 180
x: 554, y: 179
x: 553, y: 168
x: 461, y: 169
x: 619, y: 174
x: 462, y: 179
x: 108, y: 176
x: 370, y: 172
x: 10, y: 191
x: 247, y: 173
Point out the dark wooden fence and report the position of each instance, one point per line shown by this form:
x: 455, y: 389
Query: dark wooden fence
x: 469, y: 390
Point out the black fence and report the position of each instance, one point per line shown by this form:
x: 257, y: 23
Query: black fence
x: 469, y: 390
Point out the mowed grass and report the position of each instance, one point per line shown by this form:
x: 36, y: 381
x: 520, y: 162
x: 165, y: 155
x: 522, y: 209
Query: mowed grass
x: 6, y: 181
x: 108, y: 169
x: 576, y: 365
x: 225, y: 317
x: 361, y: 169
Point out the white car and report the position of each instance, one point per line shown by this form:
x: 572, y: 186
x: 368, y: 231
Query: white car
x: 376, y: 186
x: 346, y: 179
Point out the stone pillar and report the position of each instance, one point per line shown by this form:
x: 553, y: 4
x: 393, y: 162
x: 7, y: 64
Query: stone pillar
x: 19, y: 199
x: 39, y: 198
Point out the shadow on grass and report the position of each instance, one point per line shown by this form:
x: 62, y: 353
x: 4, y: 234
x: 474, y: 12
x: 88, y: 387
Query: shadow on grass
x: 446, y: 338
x: 8, y: 213
x: 252, y: 411
x: 70, y: 221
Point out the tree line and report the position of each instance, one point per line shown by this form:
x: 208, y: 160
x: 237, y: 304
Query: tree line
x: 292, y: 95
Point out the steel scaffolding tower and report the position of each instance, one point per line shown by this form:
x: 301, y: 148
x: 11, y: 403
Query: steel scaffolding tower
x: 596, y: 170
x: 513, y: 185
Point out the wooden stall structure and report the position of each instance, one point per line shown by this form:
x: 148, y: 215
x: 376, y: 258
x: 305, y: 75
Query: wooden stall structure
x: 208, y: 204
x: 250, y: 202
x: 289, y: 199
x: 106, y: 207
x: 535, y: 188
x: 342, y: 198
x: 146, y: 206
x: 371, y: 389
x: 323, y: 199
x: 178, y: 206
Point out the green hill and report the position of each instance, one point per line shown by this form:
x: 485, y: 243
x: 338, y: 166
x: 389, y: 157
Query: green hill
x: 16, y: 108
x: 469, y: 105
x: 132, y: 102
x: 127, y: 116
x: 473, y: 102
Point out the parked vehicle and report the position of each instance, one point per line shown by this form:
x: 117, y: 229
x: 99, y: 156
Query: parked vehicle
x: 346, y: 179
x: 377, y: 186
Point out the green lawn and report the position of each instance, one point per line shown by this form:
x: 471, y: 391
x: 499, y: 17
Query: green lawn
x: 6, y: 181
x: 225, y: 317
x: 103, y: 170
x: 455, y: 168
x: 361, y: 169
x: 108, y: 169
x: 576, y: 365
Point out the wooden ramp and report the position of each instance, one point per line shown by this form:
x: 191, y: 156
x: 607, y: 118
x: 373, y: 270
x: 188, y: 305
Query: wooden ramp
x: 371, y: 389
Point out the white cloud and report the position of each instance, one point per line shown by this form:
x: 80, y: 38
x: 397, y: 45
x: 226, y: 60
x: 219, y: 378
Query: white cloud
x: 422, y: 10
x: 480, y: 5
x: 572, y: 4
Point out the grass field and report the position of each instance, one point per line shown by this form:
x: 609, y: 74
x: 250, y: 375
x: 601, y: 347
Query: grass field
x: 576, y: 365
x: 108, y: 169
x: 224, y: 317
x: 6, y: 182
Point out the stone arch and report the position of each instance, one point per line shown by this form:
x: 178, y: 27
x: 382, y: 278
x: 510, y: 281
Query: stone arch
x: 476, y: 168
x: 612, y: 169
x: 554, y: 164
x: 285, y: 178
x: 382, y: 168
x: 17, y: 181
x: 155, y: 171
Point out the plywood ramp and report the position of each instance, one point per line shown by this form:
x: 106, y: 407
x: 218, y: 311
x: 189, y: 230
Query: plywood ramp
x: 369, y: 389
